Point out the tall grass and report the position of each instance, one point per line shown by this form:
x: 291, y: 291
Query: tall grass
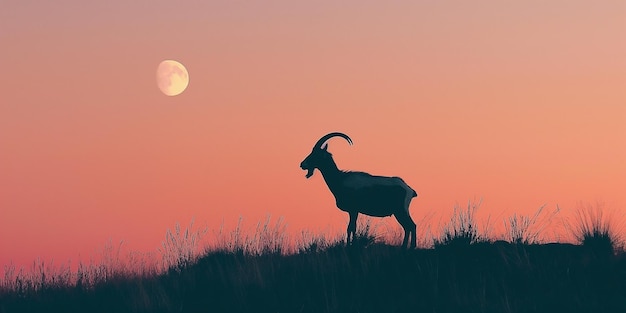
x: 462, y: 229
x: 265, y: 238
x: 597, y: 228
x: 261, y: 273
x: 180, y: 248
x: 527, y: 229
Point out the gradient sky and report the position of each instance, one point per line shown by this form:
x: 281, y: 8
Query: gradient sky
x: 522, y: 104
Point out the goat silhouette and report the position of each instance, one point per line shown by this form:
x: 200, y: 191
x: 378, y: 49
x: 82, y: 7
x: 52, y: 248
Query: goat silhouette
x: 360, y: 192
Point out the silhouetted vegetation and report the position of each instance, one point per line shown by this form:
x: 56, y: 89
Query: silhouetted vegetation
x: 596, y: 230
x: 462, y: 229
x: 465, y: 271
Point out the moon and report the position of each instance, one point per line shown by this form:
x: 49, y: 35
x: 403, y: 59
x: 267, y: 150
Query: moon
x: 172, y: 77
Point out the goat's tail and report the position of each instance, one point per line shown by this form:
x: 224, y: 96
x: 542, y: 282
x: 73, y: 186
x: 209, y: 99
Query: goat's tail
x: 414, y: 193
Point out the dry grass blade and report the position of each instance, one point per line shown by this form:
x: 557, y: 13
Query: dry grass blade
x: 597, y: 228
x: 523, y: 229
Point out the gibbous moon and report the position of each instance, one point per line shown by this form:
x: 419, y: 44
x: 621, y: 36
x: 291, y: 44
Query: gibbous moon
x: 172, y: 77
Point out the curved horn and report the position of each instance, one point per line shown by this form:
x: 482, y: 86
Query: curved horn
x: 322, y: 140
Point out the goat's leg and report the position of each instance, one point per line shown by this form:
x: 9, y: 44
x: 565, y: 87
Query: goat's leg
x: 406, y: 238
x: 409, y: 228
x: 352, y: 226
x: 413, y: 235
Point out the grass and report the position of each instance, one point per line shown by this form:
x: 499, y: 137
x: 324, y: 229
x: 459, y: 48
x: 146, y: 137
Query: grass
x: 178, y: 250
x: 596, y: 228
x: 524, y: 229
x: 462, y: 229
x: 260, y: 271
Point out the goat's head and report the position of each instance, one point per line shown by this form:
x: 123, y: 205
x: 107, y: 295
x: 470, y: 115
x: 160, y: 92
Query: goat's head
x: 319, y: 155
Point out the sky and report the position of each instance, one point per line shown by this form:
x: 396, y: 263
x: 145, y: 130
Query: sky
x: 518, y: 104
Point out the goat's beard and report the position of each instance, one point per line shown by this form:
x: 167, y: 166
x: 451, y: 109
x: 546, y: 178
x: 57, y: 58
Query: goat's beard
x: 309, y: 173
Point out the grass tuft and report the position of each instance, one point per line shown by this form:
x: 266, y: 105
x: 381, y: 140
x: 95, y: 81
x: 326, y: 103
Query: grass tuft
x: 462, y: 229
x: 523, y: 229
x: 596, y: 229
x: 365, y: 235
x: 179, y: 249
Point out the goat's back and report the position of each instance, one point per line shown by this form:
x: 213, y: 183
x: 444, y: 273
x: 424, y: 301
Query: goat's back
x: 363, y: 180
x: 373, y: 195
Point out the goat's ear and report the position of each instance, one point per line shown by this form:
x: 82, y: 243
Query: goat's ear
x: 325, y: 147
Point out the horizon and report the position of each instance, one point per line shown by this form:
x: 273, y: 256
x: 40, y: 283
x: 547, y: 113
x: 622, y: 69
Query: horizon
x: 518, y: 104
x: 192, y: 242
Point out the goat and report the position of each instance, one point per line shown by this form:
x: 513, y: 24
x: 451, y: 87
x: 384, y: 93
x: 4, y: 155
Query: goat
x: 359, y: 192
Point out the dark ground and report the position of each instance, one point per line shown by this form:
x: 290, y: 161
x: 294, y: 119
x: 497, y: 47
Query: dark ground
x: 482, y: 277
